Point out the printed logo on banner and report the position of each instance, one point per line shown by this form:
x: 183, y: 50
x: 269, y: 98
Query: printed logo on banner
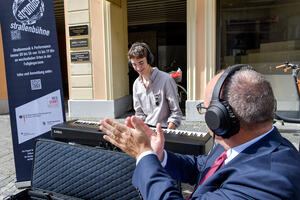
x: 27, y: 13
x: 53, y: 101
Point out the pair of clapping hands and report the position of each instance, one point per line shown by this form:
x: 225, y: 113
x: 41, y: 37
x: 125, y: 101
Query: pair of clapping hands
x: 135, y: 137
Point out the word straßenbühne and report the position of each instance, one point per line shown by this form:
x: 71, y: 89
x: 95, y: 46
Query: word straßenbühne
x: 32, y: 29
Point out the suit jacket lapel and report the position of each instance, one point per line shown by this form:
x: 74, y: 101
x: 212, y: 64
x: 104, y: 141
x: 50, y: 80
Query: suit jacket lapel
x: 210, y: 160
x: 259, y: 148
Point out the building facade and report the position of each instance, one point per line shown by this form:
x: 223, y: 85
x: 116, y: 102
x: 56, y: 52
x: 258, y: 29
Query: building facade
x: 201, y: 36
x: 98, y: 87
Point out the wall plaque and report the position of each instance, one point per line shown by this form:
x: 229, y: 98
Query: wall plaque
x: 81, y: 43
x: 80, y: 56
x: 78, y: 30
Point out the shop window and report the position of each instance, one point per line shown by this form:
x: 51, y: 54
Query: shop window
x: 262, y: 33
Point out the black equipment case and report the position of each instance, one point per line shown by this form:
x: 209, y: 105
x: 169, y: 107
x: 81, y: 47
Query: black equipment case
x: 70, y: 171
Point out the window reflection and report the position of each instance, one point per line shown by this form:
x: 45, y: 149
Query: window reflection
x: 262, y: 33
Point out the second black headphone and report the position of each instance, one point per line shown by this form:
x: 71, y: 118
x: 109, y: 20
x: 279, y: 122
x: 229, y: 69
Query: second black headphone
x: 220, y: 117
x: 150, y: 57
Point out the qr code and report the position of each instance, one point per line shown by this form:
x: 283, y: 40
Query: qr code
x: 36, y: 84
x: 15, y: 35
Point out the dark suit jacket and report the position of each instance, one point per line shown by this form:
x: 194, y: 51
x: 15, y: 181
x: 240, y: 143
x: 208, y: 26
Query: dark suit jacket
x: 268, y: 169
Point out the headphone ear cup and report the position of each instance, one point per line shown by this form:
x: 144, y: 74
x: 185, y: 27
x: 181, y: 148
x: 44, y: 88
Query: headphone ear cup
x: 234, y: 122
x: 215, y: 118
x: 129, y: 63
x: 221, y: 119
x: 150, y: 57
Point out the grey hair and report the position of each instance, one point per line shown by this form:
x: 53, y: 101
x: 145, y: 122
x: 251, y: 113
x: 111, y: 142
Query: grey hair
x: 250, y: 96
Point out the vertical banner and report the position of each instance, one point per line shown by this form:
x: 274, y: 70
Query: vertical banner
x: 33, y: 74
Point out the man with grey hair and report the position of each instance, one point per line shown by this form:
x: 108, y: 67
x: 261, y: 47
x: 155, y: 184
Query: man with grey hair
x: 251, y: 160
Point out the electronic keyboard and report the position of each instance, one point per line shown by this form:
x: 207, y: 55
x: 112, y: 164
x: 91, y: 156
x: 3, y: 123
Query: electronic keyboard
x: 88, y: 133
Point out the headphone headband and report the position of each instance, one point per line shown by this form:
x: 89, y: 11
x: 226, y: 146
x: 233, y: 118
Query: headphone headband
x: 140, y: 44
x: 227, y: 73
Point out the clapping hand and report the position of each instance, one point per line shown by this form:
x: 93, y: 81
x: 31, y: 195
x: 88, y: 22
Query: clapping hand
x: 135, y: 137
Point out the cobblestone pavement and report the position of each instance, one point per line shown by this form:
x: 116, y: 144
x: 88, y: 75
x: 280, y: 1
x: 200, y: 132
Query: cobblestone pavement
x: 7, y: 168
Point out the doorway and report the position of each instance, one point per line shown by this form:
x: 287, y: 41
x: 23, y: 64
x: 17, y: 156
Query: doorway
x: 162, y: 25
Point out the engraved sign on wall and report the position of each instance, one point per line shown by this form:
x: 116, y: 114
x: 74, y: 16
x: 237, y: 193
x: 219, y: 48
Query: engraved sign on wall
x: 82, y: 43
x: 79, y: 30
x: 80, y: 56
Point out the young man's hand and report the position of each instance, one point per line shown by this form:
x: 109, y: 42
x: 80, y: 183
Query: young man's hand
x: 171, y: 125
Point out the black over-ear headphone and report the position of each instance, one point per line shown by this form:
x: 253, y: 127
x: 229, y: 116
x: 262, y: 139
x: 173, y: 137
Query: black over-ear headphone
x: 220, y: 117
x: 150, y: 57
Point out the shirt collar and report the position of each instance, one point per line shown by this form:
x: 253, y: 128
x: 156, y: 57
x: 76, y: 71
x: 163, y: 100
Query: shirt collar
x: 233, y: 152
x: 154, y: 73
x: 152, y: 77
